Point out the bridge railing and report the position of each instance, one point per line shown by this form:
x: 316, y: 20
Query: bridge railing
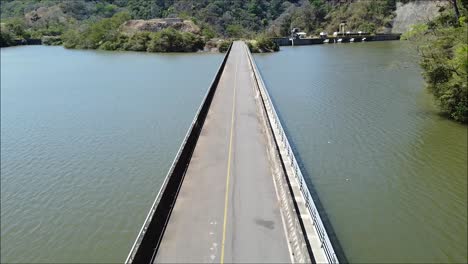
x: 290, y: 160
x: 147, y: 242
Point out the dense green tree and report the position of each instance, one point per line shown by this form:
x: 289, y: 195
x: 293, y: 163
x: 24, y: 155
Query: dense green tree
x: 71, y: 39
x: 235, y: 31
x: 105, y: 10
x: 137, y: 42
x: 6, y: 38
x: 170, y: 40
x: 208, y: 32
x: 275, y: 8
x: 262, y: 44
x: 224, y: 17
x: 223, y: 46
x: 443, y: 47
x: 95, y: 34
x: 17, y: 27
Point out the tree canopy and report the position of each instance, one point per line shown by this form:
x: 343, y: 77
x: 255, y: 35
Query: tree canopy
x: 443, y: 46
x: 228, y: 18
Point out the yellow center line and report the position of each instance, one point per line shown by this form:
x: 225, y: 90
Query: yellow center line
x: 226, y: 197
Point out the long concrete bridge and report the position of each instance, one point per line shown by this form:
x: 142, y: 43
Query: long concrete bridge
x: 235, y: 192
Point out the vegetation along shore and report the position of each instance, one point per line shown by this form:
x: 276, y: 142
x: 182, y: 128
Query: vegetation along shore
x: 181, y: 25
x: 211, y: 25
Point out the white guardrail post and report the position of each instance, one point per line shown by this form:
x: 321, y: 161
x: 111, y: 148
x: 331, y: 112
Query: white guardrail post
x: 290, y: 158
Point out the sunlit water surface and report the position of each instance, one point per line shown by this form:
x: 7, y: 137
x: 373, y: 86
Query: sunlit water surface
x: 86, y: 140
x: 390, y: 171
x: 87, y: 137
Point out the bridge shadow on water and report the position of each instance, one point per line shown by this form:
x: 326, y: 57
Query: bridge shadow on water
x: 313, y: 192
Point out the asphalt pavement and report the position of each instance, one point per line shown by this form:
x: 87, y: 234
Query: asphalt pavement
x: 227, y: 209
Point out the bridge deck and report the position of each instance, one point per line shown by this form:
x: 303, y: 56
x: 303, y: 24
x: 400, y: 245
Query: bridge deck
x: 229, y: 161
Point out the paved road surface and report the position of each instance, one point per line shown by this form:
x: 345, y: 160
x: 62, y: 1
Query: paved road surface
x: 228, y: 192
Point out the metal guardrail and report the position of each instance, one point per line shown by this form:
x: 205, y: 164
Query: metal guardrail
x: 147, y: 242
x: 290, y: 159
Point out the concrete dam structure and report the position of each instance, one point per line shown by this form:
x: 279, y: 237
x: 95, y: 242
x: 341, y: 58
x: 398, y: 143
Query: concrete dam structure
x: 338, y: 39
x: 235, y: 192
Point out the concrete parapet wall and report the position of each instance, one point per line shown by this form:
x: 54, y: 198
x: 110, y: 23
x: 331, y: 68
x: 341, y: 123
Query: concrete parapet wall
x: 384, y: 37
x: 297, y: 42
x: 147, y: 243
x: 282, y: 41
x: 311, y: 41
x: 344, y: 39
x: 27, y: 42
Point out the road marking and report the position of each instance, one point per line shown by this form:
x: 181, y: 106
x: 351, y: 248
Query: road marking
x: 226, y: 197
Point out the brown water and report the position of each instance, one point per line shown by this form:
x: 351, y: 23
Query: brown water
x: 389, y: 170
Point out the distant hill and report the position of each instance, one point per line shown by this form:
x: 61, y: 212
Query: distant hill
x: 231, y: 18
x: 210, y: 18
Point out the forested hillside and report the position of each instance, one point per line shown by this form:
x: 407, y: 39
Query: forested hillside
x: 228, y: 18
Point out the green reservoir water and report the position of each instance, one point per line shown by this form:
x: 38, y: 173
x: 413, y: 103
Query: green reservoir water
x: 390, y: 172
x: 86, y: 140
